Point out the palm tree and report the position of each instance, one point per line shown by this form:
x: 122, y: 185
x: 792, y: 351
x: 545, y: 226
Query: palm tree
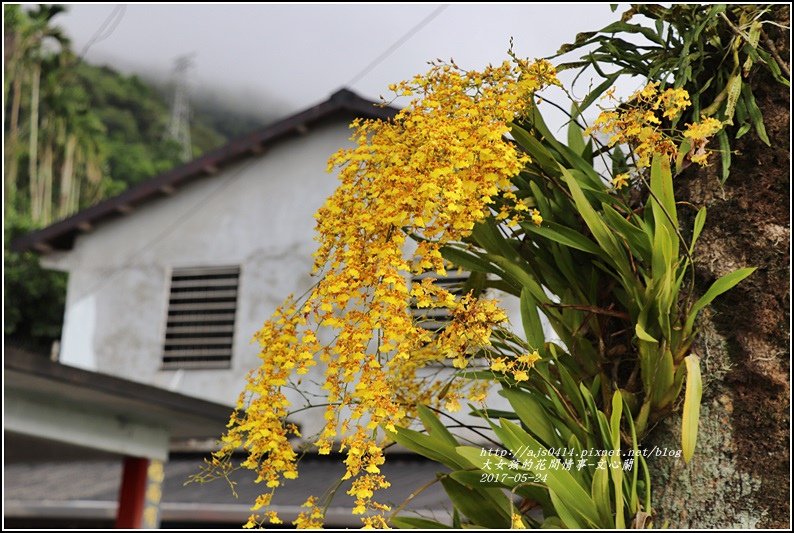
x: 30, y: 38
x: 81, y: 132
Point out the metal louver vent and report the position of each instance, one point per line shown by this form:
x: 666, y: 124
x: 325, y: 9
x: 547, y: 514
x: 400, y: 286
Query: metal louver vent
x: 201, y: 308
x: 437, y: 319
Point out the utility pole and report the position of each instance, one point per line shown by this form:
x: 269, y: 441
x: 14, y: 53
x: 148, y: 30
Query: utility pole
x: 179, y: 125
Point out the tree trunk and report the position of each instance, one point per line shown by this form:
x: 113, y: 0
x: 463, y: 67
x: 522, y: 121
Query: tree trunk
x: 47, y: 164
x: 79, y: 163
x: 11, y: 58
x: 12, y: 142
x: 33, y: 151
x: 739, y: 475
x: 67, y: 175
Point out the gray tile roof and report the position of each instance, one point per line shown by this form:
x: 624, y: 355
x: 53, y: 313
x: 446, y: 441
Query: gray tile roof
x: 89, y: 488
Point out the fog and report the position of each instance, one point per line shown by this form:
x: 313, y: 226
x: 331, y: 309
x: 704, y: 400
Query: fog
x: 276, y: 59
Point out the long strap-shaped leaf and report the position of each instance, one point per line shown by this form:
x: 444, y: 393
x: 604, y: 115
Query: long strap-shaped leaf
x: 601, y: 232
x: 689, y: 421
x: 724, y: 284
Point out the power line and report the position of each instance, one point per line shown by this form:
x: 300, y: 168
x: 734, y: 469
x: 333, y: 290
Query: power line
x: 397, y: 44
x: 107, y: 28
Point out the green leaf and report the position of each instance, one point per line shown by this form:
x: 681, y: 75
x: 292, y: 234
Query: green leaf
x: 754, y: 34
x: 603, y: 425
x: 724, y: 284
x: 522, y: 278
x: 595, y: 93
x: 620, y: 26
x: 429, y: 447
x: 595, y: 386
x: 725, y: 155
x: 683, y: 151
x: 614, y: 419
x: 600, y: 231
x: 583, y: 171
x: 574, y: 273
x: 503, y: 286
x: 636, y: 236
x: 536, y: 119
x: 643, y: 335
x: 633, y: 497
x: 615, y: 466
x: 618, y: 161
x: 755, y: 114
x: 467, y: 260
x: 734, y: 88
x: 544, y: 206
x: 663, y: 379
x: 533, y: 328
x: 533, y: 415
x: 575, y: 133
x: 474, y: 478
x: 552, y: 522
x: 743, y: 129
x: 487, y: 235
x: 662, y: 257
x: 481, y: 506
x: 560, y: 481
x: 495, y: 413
x: 434, y: 426
x: 774, y: 68
x: 663, y: 202
x: 599, y: 491
x: 642, y: 417
x: 689, y: 422
x: 567, y: 517
x: 700, y: 221
x: 563, y: 235
x: 412, y: 522
x: 539, y: 154
x: 571, y: 388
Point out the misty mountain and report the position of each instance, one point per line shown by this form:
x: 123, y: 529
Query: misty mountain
x: 135, y: 113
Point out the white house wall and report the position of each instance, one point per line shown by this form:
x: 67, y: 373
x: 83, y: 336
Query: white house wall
x: 256, y: 214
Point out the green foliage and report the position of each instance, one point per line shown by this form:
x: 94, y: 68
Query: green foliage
x: 118, y: 122
x: 712, y: 51
x: 74, y: 134
x: 694, y: 390
x: 611, y: 272
x: 135, y: 115
x: 608, y: 269
x: 616, y: 272
x: 607, y: 492
x: 33, y: 297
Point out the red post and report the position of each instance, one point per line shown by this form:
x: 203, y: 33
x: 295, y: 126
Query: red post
x: 132, y: 497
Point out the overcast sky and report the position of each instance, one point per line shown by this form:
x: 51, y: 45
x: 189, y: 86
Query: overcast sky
x: 291, y: 56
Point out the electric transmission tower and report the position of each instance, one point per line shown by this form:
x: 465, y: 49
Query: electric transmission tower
x: 179, y: 125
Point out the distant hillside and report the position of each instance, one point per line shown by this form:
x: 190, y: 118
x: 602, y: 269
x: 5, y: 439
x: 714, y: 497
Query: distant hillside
x: 74, y: 134
x: 135, y: 115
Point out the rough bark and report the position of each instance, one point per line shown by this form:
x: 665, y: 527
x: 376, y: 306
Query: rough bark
x: 739, y: 476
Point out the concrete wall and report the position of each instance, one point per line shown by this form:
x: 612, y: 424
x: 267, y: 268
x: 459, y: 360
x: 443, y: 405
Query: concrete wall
x: 256, y: 214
